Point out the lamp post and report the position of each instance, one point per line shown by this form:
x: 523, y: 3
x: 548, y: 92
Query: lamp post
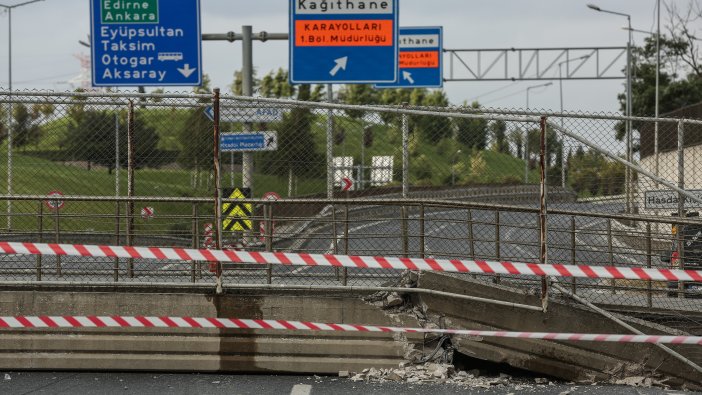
x: 629, y: 154
x: 9, y: 9
x: 560, y: 83
x: 526, y: 132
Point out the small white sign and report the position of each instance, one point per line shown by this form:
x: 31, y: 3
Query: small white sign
x: 656, y: 200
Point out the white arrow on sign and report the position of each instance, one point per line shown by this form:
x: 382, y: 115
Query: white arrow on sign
x: 187, y: 71
x: 408, y: 76
x: 340, y: 65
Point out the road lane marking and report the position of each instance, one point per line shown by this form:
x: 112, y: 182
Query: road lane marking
x: 301, y: 389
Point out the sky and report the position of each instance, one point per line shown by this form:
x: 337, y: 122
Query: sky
x: 45, y: 39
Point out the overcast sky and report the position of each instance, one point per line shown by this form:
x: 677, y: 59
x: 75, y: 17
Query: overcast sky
x: 46, y: 34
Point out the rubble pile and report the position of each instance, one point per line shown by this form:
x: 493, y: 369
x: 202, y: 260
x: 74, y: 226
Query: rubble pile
x: 434, y: 373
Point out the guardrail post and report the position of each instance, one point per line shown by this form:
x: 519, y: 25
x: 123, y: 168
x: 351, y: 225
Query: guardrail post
x: 40, y: 226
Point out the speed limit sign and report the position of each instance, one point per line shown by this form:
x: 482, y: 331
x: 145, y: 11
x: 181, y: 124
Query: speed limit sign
x: 54, y: 202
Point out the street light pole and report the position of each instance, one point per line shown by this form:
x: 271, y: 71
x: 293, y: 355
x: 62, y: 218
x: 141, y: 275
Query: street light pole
x: 560, y: 83
x: 9, y: 9
x: 629, y: 153
x: 526, y: 132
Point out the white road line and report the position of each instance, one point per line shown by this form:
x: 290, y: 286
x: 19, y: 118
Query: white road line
x: 301, y: 389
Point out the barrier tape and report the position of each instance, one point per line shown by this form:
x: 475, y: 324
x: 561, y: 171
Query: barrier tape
x: 114, y: 321
x: 360, y: 262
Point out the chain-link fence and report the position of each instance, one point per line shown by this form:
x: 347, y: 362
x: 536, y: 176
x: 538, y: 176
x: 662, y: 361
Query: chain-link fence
x: 129, y: 169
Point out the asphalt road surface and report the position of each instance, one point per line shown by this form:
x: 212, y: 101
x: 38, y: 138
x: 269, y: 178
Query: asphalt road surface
x: 159, y: 384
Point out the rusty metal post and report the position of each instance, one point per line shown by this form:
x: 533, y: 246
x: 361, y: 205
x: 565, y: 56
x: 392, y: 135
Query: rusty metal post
x: 40, y: 230
x: 268, y: 227
x: 471, y: 238
x: 130, y: 184
x: 115, y: 266
x: 498, y: 233
x: 57, y: 235
x: 649, y: 258
x: 543, y: 214
x: 345, y: 270
x: 610, y: 253
x: 218, y: 188
x: 681, y: 202
x: 405, y: 232
x: 422, y: 240
x: 195, y: 243
x: 573, y: 254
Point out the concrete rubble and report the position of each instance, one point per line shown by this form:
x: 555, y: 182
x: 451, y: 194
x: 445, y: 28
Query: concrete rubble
x: 438, y: 373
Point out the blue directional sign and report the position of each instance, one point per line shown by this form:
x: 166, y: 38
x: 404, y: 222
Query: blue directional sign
x: 248, y: 141
x: 343, y: 42
x: 421, y: 58
x: 146, y: 42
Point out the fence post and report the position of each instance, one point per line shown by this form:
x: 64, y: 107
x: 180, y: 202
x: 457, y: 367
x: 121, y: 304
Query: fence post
x: 649, y: 259
x: 115, y: 268
x: 405, y: 232
x: 498, y: 278
x: 40, y: 223
x: 543, y: 214
x: 268, y: 227
x: 471, y: 239
x: 422, y: 238
x: 195, y: 241
x: 681, y: 201
x: 610, y: 253
x: 573, y: 252
x: 130, y: 184
x: 218, y: 188
x: 345, y: 270
x: 57, y: 236
x: 330, y: 144
x: 405, y: 155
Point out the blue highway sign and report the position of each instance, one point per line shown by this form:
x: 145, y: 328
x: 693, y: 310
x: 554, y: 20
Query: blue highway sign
x: 343, y: 41
x: 146, y: 42
x: 248, y: 141
x: 421, y: 58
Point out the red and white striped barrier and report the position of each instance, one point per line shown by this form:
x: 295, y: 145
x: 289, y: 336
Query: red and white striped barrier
x: 361, y: 262
x: 63, y: 322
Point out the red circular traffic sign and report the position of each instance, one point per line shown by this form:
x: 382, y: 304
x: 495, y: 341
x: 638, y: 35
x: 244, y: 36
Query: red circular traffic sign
x: 55, y: 203
x: 147, y: 212
x: 272, y: 196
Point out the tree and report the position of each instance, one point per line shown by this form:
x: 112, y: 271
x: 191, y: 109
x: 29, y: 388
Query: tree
x: 360, y: 94
x: 195, y: 138
x: 91, y: 138
x: 472, y: 132
x: 25, y: 128
x: 516, y: 137
x: 498, y: 132
x: 680, y: 81
x: 296, y: 145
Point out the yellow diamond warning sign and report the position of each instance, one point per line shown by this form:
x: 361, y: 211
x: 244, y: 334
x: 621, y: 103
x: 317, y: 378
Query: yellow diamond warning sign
x: 237, y: 216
